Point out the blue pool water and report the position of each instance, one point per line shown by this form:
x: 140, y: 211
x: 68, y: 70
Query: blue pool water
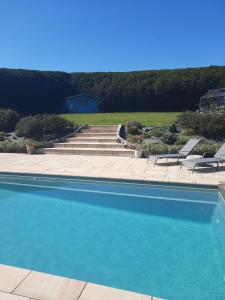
x: 166, y: 241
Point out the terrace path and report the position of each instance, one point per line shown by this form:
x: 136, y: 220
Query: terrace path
x: 107, y: 167
x: 22, y: 284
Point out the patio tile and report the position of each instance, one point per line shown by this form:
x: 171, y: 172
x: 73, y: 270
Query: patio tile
x: 10, y: 277
x: 6, y: 296
x: 105, y: 166
x: 100, y: 292
x: 43, y: 286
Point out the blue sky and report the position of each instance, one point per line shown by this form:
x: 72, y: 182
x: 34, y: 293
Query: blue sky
x: 103, y: 35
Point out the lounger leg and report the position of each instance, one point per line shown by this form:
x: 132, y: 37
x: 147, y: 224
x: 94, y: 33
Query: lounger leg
x: 155, y: 162
x: 193, y: 169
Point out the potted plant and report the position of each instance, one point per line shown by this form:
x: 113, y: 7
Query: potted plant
x: 138, y: 151
x: 30, y: 147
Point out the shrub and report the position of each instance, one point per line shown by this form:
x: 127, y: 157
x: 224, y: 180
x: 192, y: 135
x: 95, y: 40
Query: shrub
x: 173, y: 128
x: 13, y: 147
x: 137, y: 139
x: 8, y: 119
x: 151, y: 149
x: 2, y: 136
x: 186, y: 132
x: 154, y: 132
x: 182, y: 139
x: 43, y: 127
x: 209, y: 125
x: 133, y: 127
x: 169, y: 138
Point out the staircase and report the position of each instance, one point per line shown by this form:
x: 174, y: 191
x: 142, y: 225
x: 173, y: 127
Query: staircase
x: 93, y: 140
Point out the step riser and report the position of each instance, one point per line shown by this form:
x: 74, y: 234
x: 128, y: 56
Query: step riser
x: 114, y: 127
x: 82, y: 145
x: 86, y: 152
x: 95, y: 134
x: 92, y: 140
x: 96, y: 130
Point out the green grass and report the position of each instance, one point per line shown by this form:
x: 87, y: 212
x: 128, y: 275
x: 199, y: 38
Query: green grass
x: 145, y: 118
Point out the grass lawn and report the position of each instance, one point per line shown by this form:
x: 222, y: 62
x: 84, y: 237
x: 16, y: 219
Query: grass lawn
x: 146, y: 118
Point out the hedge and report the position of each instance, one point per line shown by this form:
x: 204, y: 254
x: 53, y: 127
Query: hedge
x: 43, y: 127
x: 151, y: 149
x: 8, y: 119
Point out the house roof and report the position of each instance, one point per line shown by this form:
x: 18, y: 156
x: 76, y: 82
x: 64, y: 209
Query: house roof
x: 81, y: 95
x: 214, y: 93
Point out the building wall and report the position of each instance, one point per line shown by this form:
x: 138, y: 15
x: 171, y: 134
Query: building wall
x: 82, y: 104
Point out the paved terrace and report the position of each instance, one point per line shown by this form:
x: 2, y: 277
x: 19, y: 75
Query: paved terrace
x: 20, y: 284
x: 108, y: 167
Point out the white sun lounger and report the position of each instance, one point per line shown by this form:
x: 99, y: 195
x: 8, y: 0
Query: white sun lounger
x: 183, y: 153
x: 218, y: 158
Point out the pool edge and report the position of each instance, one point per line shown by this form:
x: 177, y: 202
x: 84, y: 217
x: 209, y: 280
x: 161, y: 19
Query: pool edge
x: 117, y: 179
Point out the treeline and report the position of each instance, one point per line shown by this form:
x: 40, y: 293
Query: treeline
x: 31, y: 92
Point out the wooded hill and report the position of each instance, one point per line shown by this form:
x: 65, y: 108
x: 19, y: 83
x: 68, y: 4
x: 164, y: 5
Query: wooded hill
x: 32, y: 92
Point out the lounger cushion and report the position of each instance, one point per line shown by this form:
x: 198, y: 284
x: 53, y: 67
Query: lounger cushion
x: 193, y: 162
x: 156, y: 157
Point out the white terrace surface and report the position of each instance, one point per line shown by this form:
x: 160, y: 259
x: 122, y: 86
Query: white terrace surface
x: 21, y: 284
x: 108, y: 167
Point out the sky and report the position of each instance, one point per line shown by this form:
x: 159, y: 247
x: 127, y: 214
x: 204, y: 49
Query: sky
x: 111, y: 35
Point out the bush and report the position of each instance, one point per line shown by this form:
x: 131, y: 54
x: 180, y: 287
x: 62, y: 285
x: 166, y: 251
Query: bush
x: 154, y: 132
x: 8, y: 119
x: 169, y: 138
x: 209, y: 125
x: 2, y: 136
x: 173, y: 128
x: 186, y: 132
x: 133, y: 127
x: 13, y: 147
x: 182, y: 139
x: 136, y: 139
x: 43, y: 127
x: 151, y: 149
x: 21, y: 146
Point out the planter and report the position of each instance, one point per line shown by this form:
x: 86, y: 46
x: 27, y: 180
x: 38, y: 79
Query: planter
x: 30, y: 149
x: 138, y: 153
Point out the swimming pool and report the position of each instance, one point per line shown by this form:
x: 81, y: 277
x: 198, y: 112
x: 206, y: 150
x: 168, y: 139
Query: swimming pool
x: 163, y: 240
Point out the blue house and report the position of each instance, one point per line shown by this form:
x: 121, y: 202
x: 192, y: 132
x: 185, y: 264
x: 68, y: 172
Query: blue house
x: 82, y: 103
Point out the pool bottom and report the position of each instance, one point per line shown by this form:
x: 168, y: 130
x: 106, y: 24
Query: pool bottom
x: 146, y: 245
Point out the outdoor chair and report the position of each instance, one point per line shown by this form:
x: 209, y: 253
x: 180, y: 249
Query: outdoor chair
x: 218, y: 158
x: 183, y: 153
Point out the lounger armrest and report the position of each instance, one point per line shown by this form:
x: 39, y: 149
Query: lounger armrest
x: 204, y: 154
x: 183, y: 152
x: 222, y: 157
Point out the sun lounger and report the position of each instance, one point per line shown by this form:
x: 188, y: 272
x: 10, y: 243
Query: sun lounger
x: 218, y: 158
x: 183, y: 153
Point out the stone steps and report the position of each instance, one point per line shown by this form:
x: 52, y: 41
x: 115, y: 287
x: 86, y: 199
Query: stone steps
x: 95, y: 134
x: 92, y: 140
x: 88, y: 145
x: 89, y: 151
x: 93, y: 129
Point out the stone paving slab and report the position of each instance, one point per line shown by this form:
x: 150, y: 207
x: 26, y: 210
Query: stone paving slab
x: 31, y: 285
x: 99, y: 292
x: 107, y: 167
x: 6, y: 296
x: 10, y: 277
x: 43, y: 286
